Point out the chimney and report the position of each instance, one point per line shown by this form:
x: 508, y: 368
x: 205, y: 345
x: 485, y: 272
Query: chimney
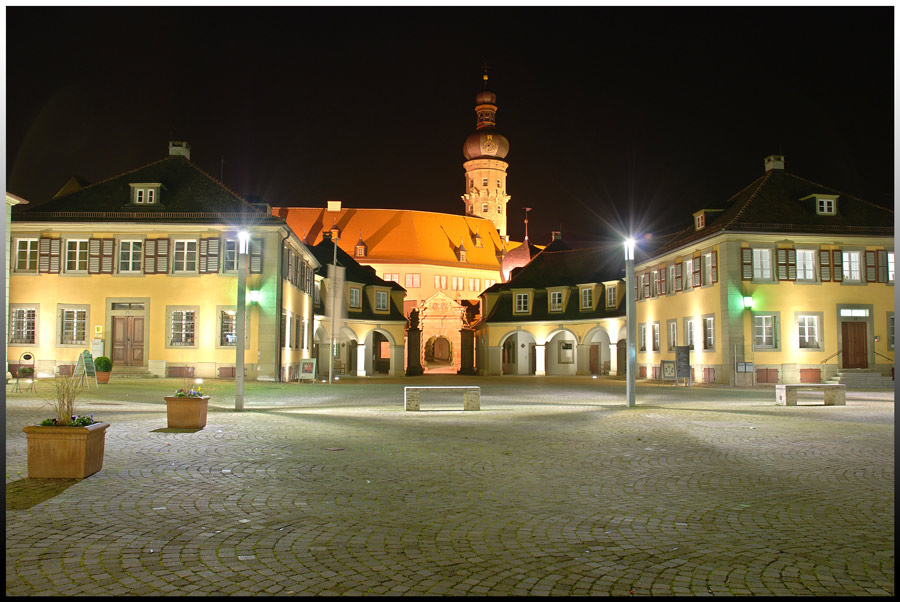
x: 179, y: 149
x: 774, y: 162
x: 333, y: 206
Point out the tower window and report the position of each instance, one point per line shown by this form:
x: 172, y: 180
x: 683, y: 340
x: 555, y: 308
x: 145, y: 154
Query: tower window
x: 484, y: 207
x: 499, y: 208
x: 484, y: 182
x: 498, y: 182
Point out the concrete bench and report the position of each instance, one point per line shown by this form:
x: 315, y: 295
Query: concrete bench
x: 786, y: 395
x: 471, y: 396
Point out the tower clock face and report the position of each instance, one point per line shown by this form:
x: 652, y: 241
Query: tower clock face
x: 488, y: 145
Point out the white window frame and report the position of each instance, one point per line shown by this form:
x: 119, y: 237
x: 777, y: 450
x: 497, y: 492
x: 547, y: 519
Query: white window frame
x: 185, y: 255
x: 762, y: 270
x: 890, y: 261
x: 440, y: 282
x: 522, y: 304
x: 484, y: 181
x: 227, y: 316
x: 610, y: 295
x: 806, y: 265
x: 852, y: 269
x: 187, y: 333
x: 708, y: 324
x: 689, y: 332
x: 392, y: 278
x: 673, y: 334
x: 890, y: 330
x: 687, y: 274
x: 23, y: 320
x: 763, y: 321
x: 230, y: 256
x: 78, y: 254
x: 825, y: 206
x: 654, y: 336
x: 381, y: 301
x: 556, y: 298
x: 642, y: 337
x: 475, y: 285
x: 484, y: 207
x: 706, y: 269
x: 30, y: 256
x: 69, y: 313
x: 413, y: 280
x: 131, y: 260
x: 587, y: 298
x: 809, y: 328
x: 354, y: 297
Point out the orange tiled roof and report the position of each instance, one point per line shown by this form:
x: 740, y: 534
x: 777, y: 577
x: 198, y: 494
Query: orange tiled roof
x: 400, y: 235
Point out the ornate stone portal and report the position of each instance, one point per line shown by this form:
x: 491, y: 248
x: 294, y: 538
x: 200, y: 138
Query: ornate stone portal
x: 440, y: 318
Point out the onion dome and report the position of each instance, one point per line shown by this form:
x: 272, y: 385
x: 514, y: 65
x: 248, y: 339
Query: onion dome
x: 485, y: 142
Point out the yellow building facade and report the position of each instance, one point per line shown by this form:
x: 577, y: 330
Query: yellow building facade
x: 790, y: 281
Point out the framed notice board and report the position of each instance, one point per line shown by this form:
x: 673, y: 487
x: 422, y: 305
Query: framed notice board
x: 667, y: 371
x: 683, y: 363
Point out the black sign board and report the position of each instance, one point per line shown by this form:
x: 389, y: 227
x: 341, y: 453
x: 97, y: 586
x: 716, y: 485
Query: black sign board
x: 683, y: 362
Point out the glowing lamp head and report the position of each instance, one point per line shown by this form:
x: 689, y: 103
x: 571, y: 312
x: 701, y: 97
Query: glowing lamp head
x: 748, y: 302
x: 629, y: 248
x: 243, y: 241
x: 254, y: 296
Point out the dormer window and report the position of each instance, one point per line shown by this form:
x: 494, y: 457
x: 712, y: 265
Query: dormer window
x: 826, y: 204
x: 145, y: 194
x: 477, y: 240
x: 461, y: 253
x: 699, y: 220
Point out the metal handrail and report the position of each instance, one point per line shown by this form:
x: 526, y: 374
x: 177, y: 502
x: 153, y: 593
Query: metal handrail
x: 838, y: 352
x: 884, y: 356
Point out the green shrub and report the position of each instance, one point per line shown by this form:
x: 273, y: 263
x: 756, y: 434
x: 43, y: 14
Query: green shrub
x: 103, y: 364
x: 25, y: 371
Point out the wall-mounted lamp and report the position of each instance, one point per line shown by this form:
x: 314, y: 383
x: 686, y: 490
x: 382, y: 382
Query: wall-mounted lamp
x: 748, y: 302
x: 254, y: 296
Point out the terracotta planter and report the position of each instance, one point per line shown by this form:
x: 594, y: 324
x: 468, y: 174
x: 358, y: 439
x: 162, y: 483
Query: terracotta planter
x: 187, y: 412
x: 103, y: 377
x: 65, y: 452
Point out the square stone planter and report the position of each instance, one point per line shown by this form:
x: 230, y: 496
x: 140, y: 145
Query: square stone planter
x: 187, y: 412
x: 65, y: 452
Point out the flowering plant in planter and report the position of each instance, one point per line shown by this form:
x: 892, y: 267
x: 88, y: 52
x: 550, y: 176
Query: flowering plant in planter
x: 66, y: 390
x: 191, y: 392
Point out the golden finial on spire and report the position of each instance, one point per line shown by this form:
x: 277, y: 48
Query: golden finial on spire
x: 485, y: 76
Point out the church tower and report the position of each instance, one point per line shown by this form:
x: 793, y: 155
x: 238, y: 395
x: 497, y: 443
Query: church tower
x: 485, y: 168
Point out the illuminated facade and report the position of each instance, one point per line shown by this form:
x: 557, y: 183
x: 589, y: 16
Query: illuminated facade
x: 142, y: 268
x: 562, y: 314
x: 789, y: 275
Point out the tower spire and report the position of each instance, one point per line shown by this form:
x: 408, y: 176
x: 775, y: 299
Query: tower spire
x: 527, y: 209
x: 485, y: 66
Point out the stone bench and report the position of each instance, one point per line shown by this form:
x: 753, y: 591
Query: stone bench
x: 471, y: 396
x: 786, y: 395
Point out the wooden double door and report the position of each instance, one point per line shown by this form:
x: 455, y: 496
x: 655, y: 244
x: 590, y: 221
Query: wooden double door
x: 128, y: 340
x: 855, y: 352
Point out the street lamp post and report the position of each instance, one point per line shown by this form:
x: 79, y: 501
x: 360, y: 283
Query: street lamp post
x: 334, y: 278
x: 240, y: 320
x: 630, y: 327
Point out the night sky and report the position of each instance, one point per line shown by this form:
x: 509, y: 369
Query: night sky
x: 615, y: 116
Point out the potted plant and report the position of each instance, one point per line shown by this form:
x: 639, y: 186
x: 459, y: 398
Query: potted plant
x: 104, y: 366
x: 186, y: 409
x: 66, y: 446
x: 24, y: 372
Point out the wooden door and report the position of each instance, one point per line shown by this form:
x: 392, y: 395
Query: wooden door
x: 855, y: 351
x: 128, y: 340
x: 595, y: 359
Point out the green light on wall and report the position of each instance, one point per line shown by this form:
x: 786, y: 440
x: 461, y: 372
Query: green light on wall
x: 748, y: 302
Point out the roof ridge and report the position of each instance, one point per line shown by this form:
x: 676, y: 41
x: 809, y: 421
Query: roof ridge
x: 119, y: 175
x: 762, y: 181
x: 856, y: 198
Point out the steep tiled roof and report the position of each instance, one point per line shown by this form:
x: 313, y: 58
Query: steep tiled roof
x: 780, y: 202
x: 557, y: 265
x: 185, y: 189
x: 400, y: 235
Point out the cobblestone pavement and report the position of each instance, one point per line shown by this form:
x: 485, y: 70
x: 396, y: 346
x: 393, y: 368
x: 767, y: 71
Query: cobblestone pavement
x: 553, y: 487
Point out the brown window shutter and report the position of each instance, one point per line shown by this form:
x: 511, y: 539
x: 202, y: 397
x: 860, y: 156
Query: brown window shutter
x: 212, y: 255
x: 825, y: 266
x: 256, y: 256
x: 662, y: 280
x: 55, y: 251
x: 714, y: 263
x: 838, y: 263
x: 202, y: 255
x: 646, y: 285
x: 44, y: 255
x: 94, y: 255
x: 150, y: 256
x: 696, y: 278
x: 162, y: 255
x: 678, y: 268
x: 107, y: 259
x: 791, y: 264
x: 871, y: 267
x: 882, y: 266
x: 746, y: 264
x: 781, y: 264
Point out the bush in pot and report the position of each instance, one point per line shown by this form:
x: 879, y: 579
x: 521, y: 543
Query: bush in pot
x: 24, y: 372
x: 187, y: 409
x: 104, y: 366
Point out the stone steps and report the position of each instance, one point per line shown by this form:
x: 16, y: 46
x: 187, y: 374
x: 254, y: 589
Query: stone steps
x: 863, y: 380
